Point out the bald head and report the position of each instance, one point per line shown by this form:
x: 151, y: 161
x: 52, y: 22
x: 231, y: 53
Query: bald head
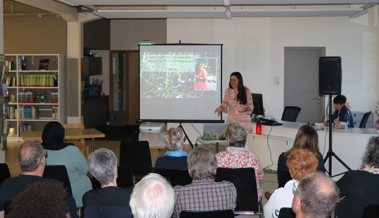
x: 29, y: 156
x: 152, y: 197
x: 317, y: 194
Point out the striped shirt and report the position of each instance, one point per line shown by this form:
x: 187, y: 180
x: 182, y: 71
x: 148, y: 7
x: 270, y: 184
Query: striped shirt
x: 205, y: 195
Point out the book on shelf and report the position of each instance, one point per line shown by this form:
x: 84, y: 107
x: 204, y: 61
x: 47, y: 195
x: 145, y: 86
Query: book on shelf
x: 5, y: 111
x: 55, y: 113
x: 6, y: 124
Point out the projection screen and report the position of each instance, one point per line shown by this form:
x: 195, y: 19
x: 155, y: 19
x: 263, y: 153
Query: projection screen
x: 180, y: 82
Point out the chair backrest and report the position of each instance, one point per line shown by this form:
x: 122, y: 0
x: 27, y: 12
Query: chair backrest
x: 58, y: 172
x: 4, y: 172
x: 245, y: 183
x: 207, y: 214
x: 124, y: 178
x: 74, y: 126
x: 364, y: 120
x: 290, y: 113
x: 137, y: 156
x: 284, y: 177
x: 371, y: 211
x: 286, y: 213
x: 175, y: 177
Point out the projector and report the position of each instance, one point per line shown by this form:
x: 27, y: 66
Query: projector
x: 151, y: 128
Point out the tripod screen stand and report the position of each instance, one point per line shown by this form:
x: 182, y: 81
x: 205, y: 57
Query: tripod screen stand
x: 330, y: 153
x: 186, y: 136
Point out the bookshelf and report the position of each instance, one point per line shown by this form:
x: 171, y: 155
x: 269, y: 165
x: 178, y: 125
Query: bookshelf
x: 36, y: 92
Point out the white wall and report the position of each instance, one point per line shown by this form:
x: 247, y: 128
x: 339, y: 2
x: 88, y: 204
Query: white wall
x: 255, y: 47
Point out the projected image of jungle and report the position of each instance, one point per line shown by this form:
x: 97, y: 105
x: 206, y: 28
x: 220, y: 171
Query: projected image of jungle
x: 180, y: 74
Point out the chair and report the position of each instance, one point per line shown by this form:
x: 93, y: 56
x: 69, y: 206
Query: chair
x: 245, y: 183
x: 136, y: 155
x: 58, y: 172
x: 82, y: 145
x: 371, y: 211
x: 284, y: 177
x: 286, y: 213
x: 4, y: 172
x: 207, y: 214
x: 290, y: 113
x: 175, y: 177
x: 124, y: 178
x: 364, y: 120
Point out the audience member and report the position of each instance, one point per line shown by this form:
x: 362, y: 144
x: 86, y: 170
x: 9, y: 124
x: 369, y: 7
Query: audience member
x: 237, y: 155
x: 69, y: 155
x: 300, y: 162
x: 152, y: 197
x: 110, y: 200
x: 341, y: 112
x: 41, y: 199
x: 306, y: 138
x: 204, y: 194
x: 315, y: 197
x: 175, y: 158
x: 360, y: 187
x: 32, y: 160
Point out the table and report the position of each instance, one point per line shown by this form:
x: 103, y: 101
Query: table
x: 91, y: 133
x: 201, y: 141
x: 348, y: 144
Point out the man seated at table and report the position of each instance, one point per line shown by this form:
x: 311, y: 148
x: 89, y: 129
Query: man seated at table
x: 342, y: 113
x: 204, y: 194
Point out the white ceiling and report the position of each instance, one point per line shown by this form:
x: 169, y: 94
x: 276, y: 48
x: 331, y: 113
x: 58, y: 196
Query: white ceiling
x: 119, y: 9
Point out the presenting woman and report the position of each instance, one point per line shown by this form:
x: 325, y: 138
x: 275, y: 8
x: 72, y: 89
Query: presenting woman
x: 69, y: 155
x: 238, y: 102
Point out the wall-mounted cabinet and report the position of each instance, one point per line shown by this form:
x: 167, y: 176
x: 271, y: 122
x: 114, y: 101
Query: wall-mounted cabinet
x: 36, y: 91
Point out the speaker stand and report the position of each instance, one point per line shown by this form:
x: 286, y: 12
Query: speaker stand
x: 330, y: 153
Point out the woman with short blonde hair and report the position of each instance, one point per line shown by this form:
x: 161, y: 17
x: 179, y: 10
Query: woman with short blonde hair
x: 175, y: 157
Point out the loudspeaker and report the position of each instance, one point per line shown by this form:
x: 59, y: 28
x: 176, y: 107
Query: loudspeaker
x: 330, y: 75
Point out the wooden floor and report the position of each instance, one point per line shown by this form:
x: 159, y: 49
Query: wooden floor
x: 270, y: 182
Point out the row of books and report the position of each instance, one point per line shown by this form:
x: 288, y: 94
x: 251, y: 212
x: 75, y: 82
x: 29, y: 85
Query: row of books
x: 10, y: 64
x: 37, y: 80
x: 28, y: 112
x: 11, y: 81
x: 23, y: 112
x: 26, y: 127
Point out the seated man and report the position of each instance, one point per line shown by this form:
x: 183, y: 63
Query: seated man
x: 152, y: 197
x: 32, y: 160
x: 315, y: 197
x: 342, y: 113
x: 204, y: 194
x: 109, y: 200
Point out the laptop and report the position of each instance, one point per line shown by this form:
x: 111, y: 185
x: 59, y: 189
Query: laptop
x: 214, y: 131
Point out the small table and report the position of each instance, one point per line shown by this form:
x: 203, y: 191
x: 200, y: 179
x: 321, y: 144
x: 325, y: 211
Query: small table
x: 213, y: 141
x: 91, y: 133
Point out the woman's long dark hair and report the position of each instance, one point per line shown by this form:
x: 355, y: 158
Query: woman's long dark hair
x: 241, y: 97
